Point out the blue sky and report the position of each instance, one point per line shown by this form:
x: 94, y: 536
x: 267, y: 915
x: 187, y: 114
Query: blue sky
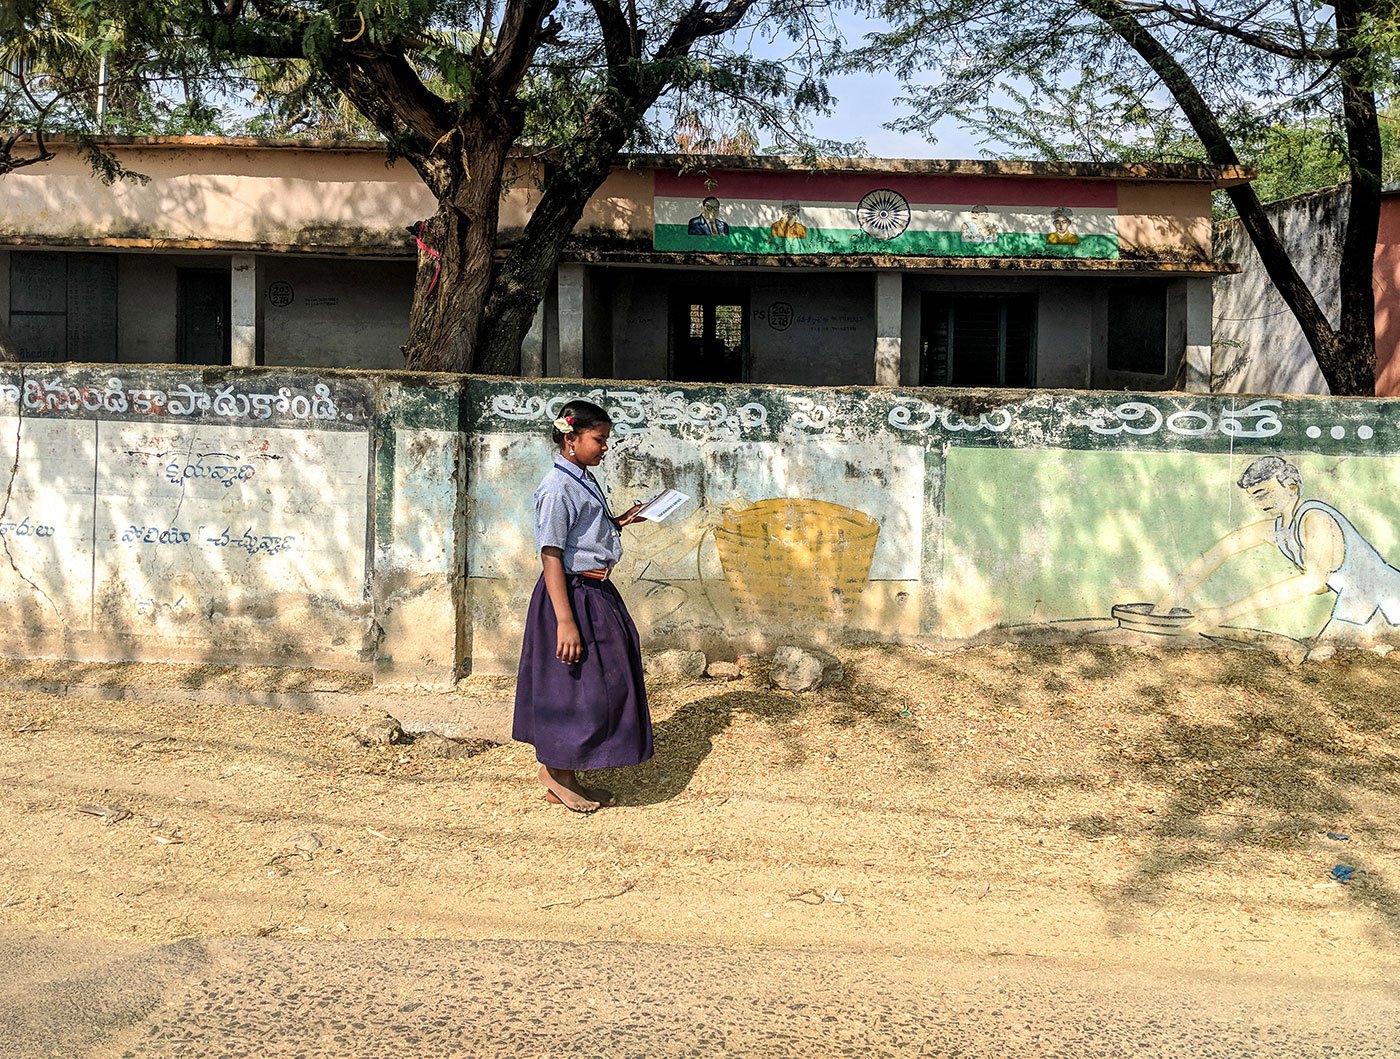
x: 866, y: 101
x: 864, y: 104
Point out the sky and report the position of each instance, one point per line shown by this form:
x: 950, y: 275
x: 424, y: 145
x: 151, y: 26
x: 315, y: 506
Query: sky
x: 865, y: 103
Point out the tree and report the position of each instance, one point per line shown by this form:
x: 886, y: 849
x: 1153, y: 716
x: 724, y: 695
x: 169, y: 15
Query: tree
x: 1228, y: 68
x: 70, y: 69
x: 461, y: 88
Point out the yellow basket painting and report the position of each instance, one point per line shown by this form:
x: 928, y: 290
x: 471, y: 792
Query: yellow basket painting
x: 794, y: 558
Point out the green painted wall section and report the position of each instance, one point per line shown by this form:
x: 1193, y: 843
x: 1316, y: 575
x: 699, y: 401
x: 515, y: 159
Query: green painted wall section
x: 760, y: 240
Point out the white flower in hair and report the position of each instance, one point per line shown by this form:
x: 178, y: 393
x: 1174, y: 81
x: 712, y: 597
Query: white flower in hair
x: 564, y: 424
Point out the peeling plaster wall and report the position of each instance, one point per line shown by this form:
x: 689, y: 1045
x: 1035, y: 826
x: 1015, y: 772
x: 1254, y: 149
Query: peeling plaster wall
x: 383, y: 521
x: 821, y: 515
x: 267, y: 517
x: 1258, y: 345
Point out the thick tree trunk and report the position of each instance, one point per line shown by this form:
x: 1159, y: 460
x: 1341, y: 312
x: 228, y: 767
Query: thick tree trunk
x: 523, y: 277
x: 455, y: 255
x: 1345, y: 365
x: 1355, y: 369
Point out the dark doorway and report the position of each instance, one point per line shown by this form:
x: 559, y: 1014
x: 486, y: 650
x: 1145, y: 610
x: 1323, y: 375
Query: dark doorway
x: 978, y: 340
x: 1137, y: 326
x: 710, y: 336
x: 202, y: 332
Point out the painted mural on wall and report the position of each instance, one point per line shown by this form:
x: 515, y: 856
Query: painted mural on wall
x: 149, y: 504
x: 751, y: 212
x: 854, y: 513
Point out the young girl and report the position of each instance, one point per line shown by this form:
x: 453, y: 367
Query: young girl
x: 579, y: 697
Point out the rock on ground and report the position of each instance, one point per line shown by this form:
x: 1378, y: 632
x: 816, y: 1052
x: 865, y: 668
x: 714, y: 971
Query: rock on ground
x: 723, y: 671
x: 379, y: 728
x: 804, y: 669
x: 675, y: 663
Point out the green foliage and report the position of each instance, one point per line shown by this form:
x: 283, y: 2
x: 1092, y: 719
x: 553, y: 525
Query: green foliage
x: 77, y: 68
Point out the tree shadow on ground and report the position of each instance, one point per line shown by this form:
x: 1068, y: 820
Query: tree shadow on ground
x: 1301, y: 754
x: 687, y: 737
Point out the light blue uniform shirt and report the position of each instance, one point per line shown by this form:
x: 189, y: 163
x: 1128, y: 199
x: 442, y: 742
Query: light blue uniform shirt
x: 572, y: 514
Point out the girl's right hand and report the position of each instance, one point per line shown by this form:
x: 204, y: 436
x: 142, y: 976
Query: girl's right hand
x: 570, y: 646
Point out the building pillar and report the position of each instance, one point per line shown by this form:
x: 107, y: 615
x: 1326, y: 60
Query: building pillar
x: 243, y: 311
x: 1198, y: 335
x: 889, y: 327
x: 571, y: 320
x: 532, y: 349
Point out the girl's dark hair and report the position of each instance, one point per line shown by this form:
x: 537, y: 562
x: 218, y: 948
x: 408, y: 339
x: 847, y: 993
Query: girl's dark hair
x: 583, y: 415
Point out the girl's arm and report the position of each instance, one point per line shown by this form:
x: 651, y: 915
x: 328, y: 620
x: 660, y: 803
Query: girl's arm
x: 630, y: 516
x: 569, y: 648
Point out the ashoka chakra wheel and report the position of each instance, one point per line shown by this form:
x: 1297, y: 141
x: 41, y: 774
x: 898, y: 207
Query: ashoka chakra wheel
x: 883, y: 214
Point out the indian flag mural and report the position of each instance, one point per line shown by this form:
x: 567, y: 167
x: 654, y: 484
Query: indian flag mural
x: 750, y: 212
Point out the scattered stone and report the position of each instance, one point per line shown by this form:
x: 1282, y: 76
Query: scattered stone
x: 308, y: 842
x: 723, y: 671
x: 352, y: 741
x: 108, y: 814
x: 689, y: 665
x: 804, y: 669
x: 436, y: 745
x: 379, y: 729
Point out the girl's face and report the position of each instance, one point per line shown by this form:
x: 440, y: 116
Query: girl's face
x: 587, y: 447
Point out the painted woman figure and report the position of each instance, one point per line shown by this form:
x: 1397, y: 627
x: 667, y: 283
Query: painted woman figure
x: 579, y: 697
x: 1329, y: 552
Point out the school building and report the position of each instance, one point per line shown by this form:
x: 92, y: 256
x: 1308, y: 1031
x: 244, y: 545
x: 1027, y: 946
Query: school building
x: 738, y: 269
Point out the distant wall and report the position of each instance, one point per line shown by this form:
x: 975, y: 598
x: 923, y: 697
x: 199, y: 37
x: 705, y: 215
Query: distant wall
x: 1258, y: 345
x: 382, y: 521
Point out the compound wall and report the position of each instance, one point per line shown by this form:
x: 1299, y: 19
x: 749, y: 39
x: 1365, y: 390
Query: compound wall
x: 383, y: 521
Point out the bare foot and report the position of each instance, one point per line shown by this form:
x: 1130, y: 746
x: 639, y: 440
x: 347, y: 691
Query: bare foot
x: 605, y: 798
x: 564, y: 785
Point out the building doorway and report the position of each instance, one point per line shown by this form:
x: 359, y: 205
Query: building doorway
x: 709, y: 336
x: 202, y: 305
x: 977, y: 339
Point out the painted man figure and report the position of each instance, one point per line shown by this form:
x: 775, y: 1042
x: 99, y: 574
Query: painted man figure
x: 1330, y: 553
x: 1062, y: 217
x: 979, y: 227
x: 709, y: 222
x: 788, y: 226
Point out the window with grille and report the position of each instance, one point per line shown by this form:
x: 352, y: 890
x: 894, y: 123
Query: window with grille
x: 709, y: 337
x: 978, y: 340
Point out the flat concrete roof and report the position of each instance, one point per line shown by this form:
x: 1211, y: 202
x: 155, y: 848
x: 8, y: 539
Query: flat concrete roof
x: 1217, y: 176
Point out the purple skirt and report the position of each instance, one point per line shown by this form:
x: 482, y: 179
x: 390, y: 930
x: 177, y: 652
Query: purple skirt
x: 592, y: 714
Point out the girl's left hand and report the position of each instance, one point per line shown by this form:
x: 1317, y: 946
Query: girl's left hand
x: 630, y: 515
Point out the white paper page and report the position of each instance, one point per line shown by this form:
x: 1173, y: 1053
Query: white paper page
x: 665, y: 504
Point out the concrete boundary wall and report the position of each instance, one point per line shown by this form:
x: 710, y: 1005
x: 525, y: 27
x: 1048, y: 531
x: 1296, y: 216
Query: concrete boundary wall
x: 382, y: 521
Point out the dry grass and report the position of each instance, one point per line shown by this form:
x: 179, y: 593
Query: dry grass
x: 1079, y: 802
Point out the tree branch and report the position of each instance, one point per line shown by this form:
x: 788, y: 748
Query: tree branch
x: 1197, y: 16
x: 521, y: 27
x: 1272, y: 254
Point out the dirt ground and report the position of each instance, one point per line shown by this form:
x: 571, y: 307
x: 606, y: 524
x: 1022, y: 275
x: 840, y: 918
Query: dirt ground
x: 1091, y: 804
